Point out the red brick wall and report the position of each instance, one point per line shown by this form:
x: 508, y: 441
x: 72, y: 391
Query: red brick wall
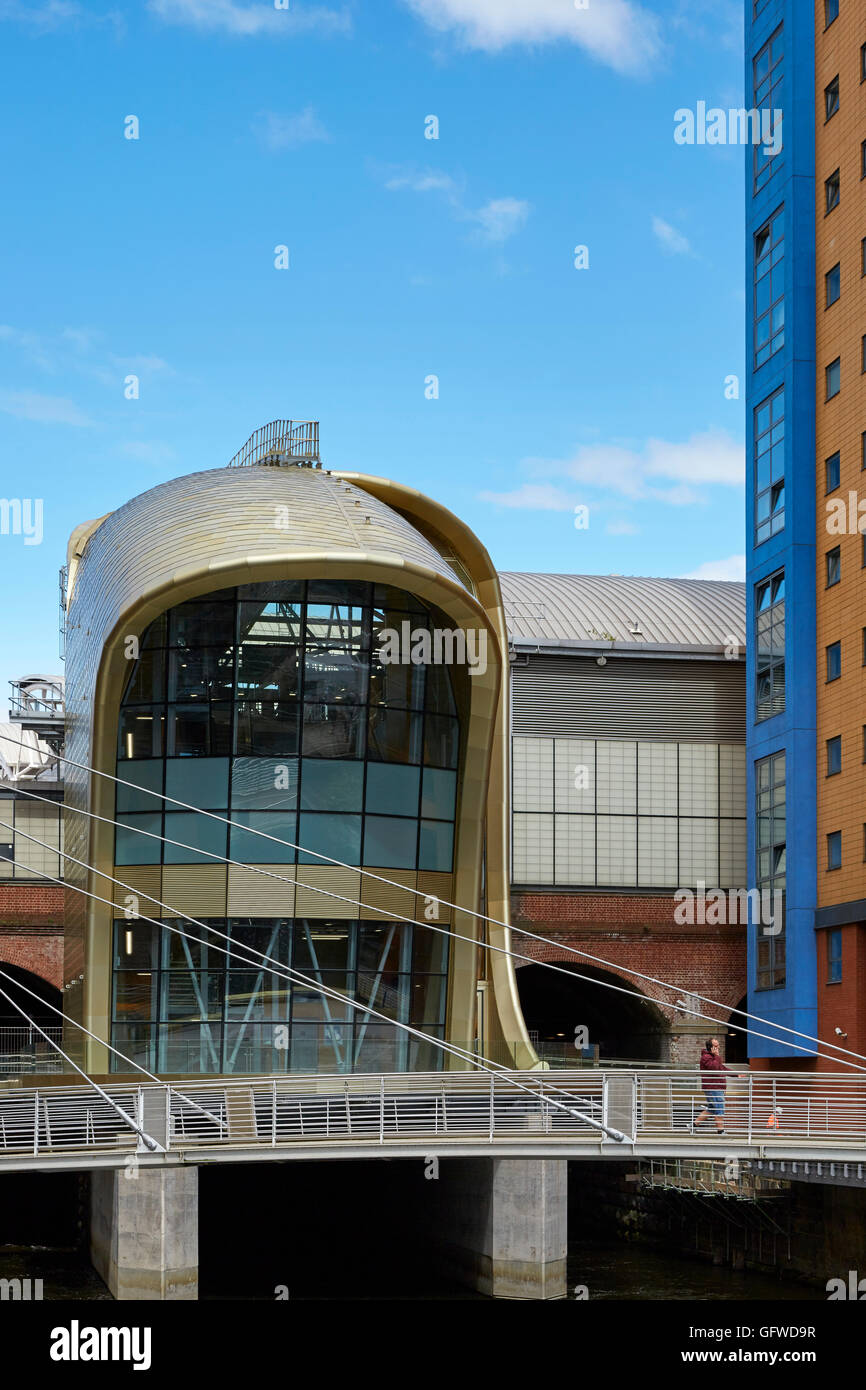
x: 31, y: 928
x: 843, y: 1005
x: 639, y: 932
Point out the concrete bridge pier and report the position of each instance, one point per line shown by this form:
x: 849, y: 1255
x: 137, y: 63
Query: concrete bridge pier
x: 144, y: 1231
x: 500, y: 1225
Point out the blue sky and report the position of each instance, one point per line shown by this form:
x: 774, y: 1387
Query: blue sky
x: 409, y: 258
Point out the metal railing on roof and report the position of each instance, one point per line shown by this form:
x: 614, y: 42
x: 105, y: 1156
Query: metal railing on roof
x: 280, y: 442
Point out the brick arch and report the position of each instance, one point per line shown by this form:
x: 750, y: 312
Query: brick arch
x: 39, y: 955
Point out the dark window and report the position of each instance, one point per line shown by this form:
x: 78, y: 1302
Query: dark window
x: 833, y: 284
x: 833, y: 377
x: 834, y: 849
x: 834, y: 956
x: 770, y: 860
x: 863, y: 354
x: 863, y: 556
x: 769, y: 321
x: 833, y: 560
x: 863, y: 256
x: 767, y: 70
x: 834, y: 661
x: 831, y: 11
x: 831, y: 98
x: 834, y: 755
x: 832, y: 191
x: 832, y: 466
x: 770, y: 646
x: 769, y: 447
x: 864, y: 646
x: 7, y: 852
x: 863, y: 160
x: 863, y: 62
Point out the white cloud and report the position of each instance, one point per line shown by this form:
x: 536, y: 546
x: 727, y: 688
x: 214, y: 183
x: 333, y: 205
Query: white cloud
x: 47, y: 410
x: 147, y: 452
x: 425, y: 181
x: 534, y: 497
x: 500, y: 218
x: 659, y: 471
x: 250, y: 20
x: 670, y: 238
x: 494, y: 222
x: 285, y: 132
x: 732, y: 568
x: 620, y: 33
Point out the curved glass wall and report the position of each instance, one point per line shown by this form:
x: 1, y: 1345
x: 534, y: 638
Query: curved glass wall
x: 271, y: 704
x: 184, y: 1006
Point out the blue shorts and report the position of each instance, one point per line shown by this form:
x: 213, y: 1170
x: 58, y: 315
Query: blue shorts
x: 715, y: 1102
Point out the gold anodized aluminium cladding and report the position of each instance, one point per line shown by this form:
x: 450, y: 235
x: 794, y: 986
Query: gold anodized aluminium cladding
x: 217, y: 529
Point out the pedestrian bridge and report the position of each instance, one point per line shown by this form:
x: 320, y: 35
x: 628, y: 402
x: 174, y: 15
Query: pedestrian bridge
x: 583, y: 1114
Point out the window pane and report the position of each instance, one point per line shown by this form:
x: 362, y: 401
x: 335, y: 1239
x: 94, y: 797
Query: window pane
x: 331, y: 786
x: 146, y: 774
x: 201, y: 782
x: 253, y: 848
x: 436, y: 848
x: 202, y: 674
x: 147, y: 680
x: 130, y: 848
x: 267, y: 728
x: 390, y: 841
x: 394, y: 735
x: 333, y: 731
x: 393, y: 788
x: 440, y: 741
x: 336, y: 836
x: 439, y: 794
x: 202, y: 623
x: 140, y: 732
x: 265, y: 784
x: 267, y: 671
x: 199, y: 832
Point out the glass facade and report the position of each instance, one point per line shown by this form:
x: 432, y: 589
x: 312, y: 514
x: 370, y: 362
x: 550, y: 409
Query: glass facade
x: 179, y: 1005
x: 767, y: 72
x: 770, y: 467
x: 769, y: 328
x: 770, y: 823
x: 275, y: 705
x: 770, y: 644
x: 270, y: 703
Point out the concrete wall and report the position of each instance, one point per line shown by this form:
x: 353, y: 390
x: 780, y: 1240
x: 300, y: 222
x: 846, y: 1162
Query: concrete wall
x: 144, y: 1231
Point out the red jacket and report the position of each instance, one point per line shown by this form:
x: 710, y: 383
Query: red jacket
x: 711, y: 1067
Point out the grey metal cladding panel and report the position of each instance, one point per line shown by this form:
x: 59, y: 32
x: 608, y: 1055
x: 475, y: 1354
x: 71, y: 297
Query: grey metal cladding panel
x: 693, y: 701
x: 575, y: 607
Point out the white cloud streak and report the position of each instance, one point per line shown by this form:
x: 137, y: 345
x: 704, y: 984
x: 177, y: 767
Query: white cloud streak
x: 251, y: 20
x: 622, y: 34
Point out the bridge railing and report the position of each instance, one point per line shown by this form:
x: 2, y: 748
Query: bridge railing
x: 269, y: 1112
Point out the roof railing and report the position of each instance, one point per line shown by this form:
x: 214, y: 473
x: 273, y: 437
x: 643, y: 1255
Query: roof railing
x: 279, y: 443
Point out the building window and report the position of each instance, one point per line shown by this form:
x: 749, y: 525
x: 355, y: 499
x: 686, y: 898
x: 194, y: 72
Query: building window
x: 863, y: 160
x: 196, y: 1009
x: 833, y: 560
x: 834, y: 661
x: 863, y: 62
x: 769, y: 328
x: 863, y: 353
x: 834, y: 755
x: 833, y: 285
x: 863, y: 450
x: 771, y: 864
x: 863, y: 553
x: 833, y: 376
x: 770, y: 643
x: 767, y: 96
x: 834, y: 850
x: 831, y: 98
x: 7, y: 852
x: 831, y: 12
x: 276, y: 704
x: 832, y: 191
x: 834, y: 956
x: 832, y: 466
x: 863, y: 256
x: 864, y: 646
x: 770, y: 467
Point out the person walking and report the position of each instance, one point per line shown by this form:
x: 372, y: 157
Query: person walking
x: 714, y: 1082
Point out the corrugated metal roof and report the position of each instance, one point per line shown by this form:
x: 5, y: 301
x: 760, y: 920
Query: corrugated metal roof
x: 632, y: 611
